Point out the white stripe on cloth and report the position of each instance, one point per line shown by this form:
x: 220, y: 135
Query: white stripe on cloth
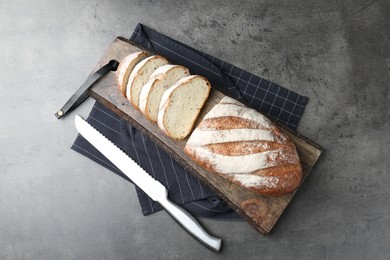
x: 177, y: 180
x: 189, y: 185
x: 147, y: 153
x: 103, y: 124
x: 162, y: 166
x: 111, y: 166
x: 138, y: 161
x: 104, y: 112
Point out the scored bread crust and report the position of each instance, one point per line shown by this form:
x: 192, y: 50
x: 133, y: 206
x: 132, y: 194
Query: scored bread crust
x: 126, y: 66
x: 137, y: 72
x: 246, y: 149
x: 165, y: 101
x: 157, y: 76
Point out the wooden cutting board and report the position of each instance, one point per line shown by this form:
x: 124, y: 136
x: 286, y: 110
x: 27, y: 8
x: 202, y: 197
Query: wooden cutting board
x: 261, y: 212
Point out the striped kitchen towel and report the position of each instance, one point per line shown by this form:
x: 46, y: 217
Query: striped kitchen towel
x: 269, y: 98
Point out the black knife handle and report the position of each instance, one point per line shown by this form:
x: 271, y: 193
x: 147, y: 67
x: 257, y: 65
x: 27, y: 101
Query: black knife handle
x: 81, y: 94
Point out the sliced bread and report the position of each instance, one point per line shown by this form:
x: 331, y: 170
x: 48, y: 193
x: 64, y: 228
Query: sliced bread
x: 126, y: 66
x: 181, y: 104
x: 140, y: 75
x: 160, y: 80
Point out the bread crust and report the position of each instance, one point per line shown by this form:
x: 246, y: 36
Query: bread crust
x: 280, y: 171
x: 126, y: 66
x: 148, y: 87
x: 135, y: 73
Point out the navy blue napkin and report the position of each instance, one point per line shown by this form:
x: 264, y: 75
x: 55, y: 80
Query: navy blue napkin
x: 269, y: 98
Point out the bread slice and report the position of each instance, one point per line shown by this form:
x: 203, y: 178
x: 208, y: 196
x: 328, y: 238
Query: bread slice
x: 126, y: 66
x: 160, y: 80
x: 181, y: 104
x: 140, y: 75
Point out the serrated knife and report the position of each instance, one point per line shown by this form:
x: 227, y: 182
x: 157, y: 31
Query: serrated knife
x: 153, y: 188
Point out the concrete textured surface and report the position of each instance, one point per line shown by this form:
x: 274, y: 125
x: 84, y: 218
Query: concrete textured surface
x: 56, y: 204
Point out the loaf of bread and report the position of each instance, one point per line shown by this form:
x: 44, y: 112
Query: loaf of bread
x: 160, y: 80
x: 126, y: 66
x: 140, y: 75
x: 181, y: 104
x: 243, y: 146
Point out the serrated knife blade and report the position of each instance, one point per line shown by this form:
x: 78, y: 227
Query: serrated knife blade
x: 153, y: 188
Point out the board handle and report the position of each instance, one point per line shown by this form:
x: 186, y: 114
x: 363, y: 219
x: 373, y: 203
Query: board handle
x: 80, y: 95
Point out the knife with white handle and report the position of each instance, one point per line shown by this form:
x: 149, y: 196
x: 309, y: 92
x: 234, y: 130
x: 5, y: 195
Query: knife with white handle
x: 154, y: 189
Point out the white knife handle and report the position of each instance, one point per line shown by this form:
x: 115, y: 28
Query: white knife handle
x: 190, y: 224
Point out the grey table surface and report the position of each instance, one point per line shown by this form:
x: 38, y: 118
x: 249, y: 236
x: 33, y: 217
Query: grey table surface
x: 56, y: 204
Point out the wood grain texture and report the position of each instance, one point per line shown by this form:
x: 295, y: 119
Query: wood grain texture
x: 261, y: 212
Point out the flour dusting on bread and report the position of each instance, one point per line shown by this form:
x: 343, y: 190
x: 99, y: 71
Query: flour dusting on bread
x: 246, y: 148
